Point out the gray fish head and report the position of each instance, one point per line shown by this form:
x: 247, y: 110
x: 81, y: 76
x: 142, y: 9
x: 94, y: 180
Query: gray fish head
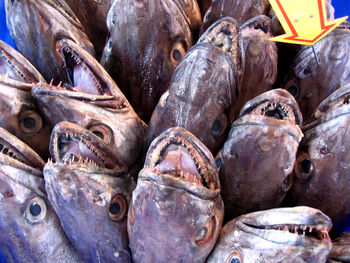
x: 177, y: 196
x: 29, y: 228
x: 203, y: 88
x: 21, y: 116
x: 36, y: 26
x: 296, y: 234
x: 109, y: 117
x: 89, y: 191
x: 322, y: 161
x: 319, y: 70
x: 15, y: 66
x: 142, y: 64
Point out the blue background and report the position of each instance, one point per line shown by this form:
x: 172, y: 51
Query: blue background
x: 342, y: 8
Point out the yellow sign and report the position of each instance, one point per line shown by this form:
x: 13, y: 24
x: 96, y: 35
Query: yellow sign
x: 304, y: 21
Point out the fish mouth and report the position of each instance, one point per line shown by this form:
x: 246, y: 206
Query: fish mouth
x: 16, y: 153
x: 284, y: 225
x: 278, y: 104
x: 71, y: 144
x: 81, y: 75
x: 178, y: 157
x: 261, y: 22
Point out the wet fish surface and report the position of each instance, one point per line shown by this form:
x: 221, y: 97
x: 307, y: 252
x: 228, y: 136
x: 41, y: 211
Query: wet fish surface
x: 90, y: 193
x: 203, y: 88
x: 341, y: 249
x: 143, y: 62
x: 176, y: 211
x: 30, y: 231
x: 259, y: 154
x: 36, y: 26
x: 315, y: 75
x: 22, y: 117
x: 295, y: 234
x: 321, y: 168
x: 15, y: 66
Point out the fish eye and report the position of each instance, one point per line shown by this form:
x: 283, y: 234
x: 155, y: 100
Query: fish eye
x: 287, y: 183
x: 303, y: 167
x: 36, y: 210
x: 177, y: 53
x: 206, y: 233
x: 30, y: 122
x: 218, y: 160
x: 234, y: 257
x: 294, y: 90
x: 103, y: 132
x: 117, y: 208
x: 219, y: 125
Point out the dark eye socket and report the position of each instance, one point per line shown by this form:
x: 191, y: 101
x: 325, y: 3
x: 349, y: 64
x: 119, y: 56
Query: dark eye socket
x: 294, y: 90
x: 117, y: 208
x: 303, y: 167
x: 287, y: 183
x: 177, y: 53
x: 35, y: 209
x: 102, y: 131
x: 219, y: 125
x: 98, y: 134
x: 30, y: 122
x: 206, y: 232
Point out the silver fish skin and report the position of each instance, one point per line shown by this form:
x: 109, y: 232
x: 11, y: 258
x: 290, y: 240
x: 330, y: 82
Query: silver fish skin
x: 291, y: 235
x: 36, y: 27
x: 30, y: 231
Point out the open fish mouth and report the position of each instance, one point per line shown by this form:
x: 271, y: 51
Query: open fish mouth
x: 72, y: 144
x: 18, y: 153
x: 275, y: 109
x: 176, y: 156
x: 312, y: 231
x: 81, y: 76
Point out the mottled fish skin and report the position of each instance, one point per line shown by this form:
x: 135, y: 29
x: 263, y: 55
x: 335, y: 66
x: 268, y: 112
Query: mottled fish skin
x: 312, y: 78
x: 240, y: 10
x: 109, y: 117
x: 89, y: 195
x: 341, y: 249
x: 321, y: 169
x: 22, y: 117
x: 30, y: 231
x: 176, y: 212
x: 293, y: 234
x: 203, y: 88
x: 15, y: 66
x: 260, y: 68
x: 36, y: 26
x: 92, y: 14
x: 142, y: 61
x: 259, y: 154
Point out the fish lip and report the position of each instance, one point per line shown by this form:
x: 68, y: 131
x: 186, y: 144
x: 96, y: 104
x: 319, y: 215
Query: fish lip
x: 237, y: 57
x: 334, y: 106
x: 26, y: 70
x: 82, y: 56
x: 31, y: 163
x: 263, y: 21
x: 276, y: 95
x: 100, y: 149
x: 200, y: 155
x: 316, y: 220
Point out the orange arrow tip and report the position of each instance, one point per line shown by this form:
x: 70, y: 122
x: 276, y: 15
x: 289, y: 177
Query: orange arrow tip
x: 307, y: 39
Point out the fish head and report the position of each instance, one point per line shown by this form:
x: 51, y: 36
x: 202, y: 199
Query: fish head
x: 321, y: 167
x: 142, y: 64
x: 203, y: 87
x: 36, y: 26
x: 319, y: 70
x: 109, y: 117
x: 89, y: 189
x: 15, y: 66
x: 258, y: 156
x: 22, y: 117
x: 295, y: 234
x: 176, y: 209
x: 30, y: 229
